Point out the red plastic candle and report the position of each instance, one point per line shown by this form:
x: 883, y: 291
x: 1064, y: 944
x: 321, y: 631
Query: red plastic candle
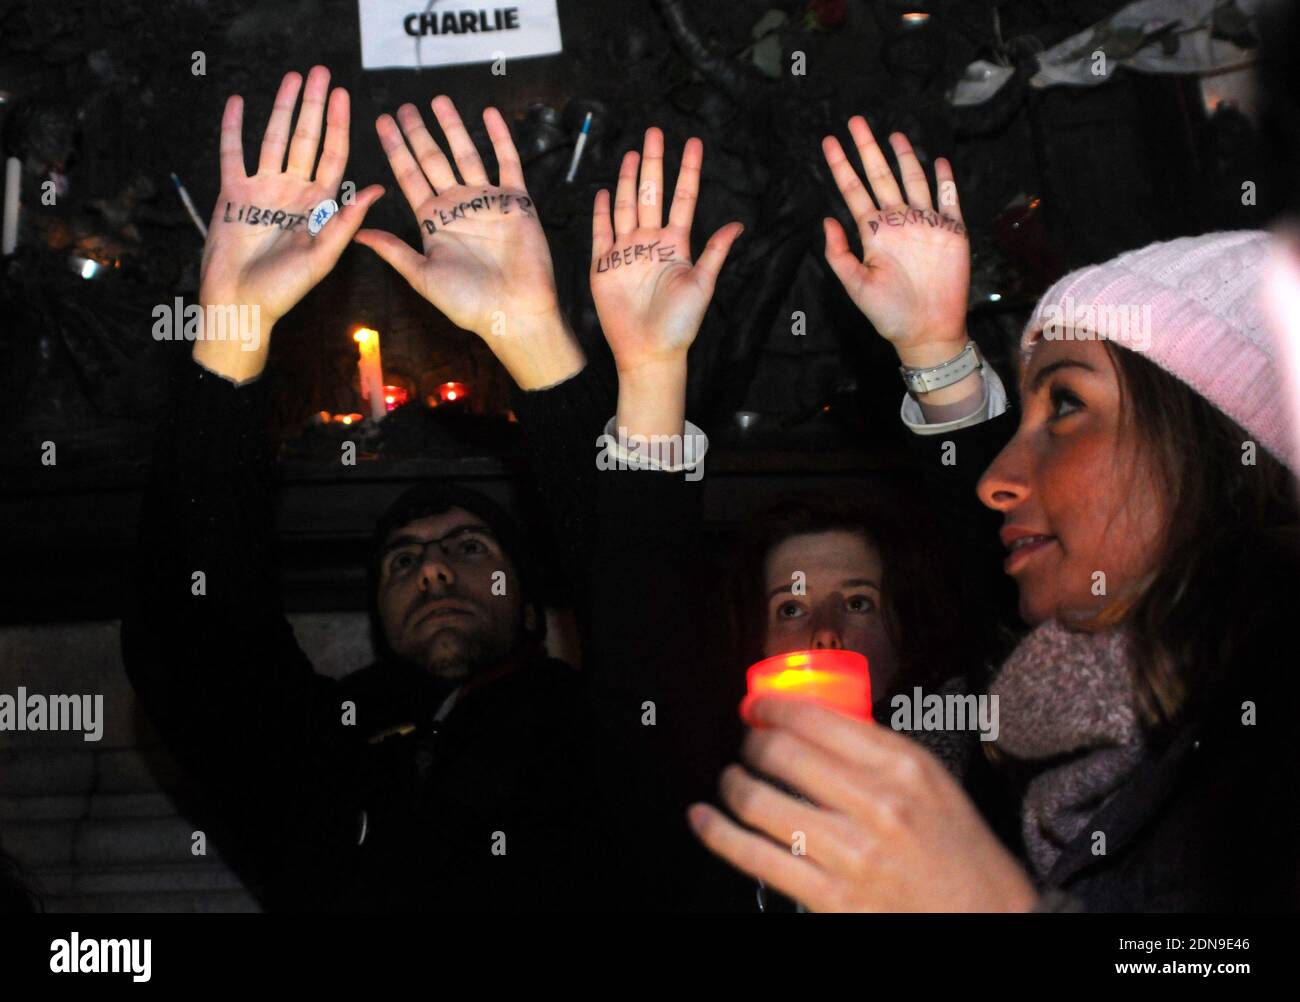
x: 837, y: 680
x: 453, y: 392
x: 394, y: 397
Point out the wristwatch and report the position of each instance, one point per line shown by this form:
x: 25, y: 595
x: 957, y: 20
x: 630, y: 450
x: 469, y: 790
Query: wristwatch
x: 936, y: 377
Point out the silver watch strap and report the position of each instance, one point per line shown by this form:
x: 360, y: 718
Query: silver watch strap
x: 936, y: 377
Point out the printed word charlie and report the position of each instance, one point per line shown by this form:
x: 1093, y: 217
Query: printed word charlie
x: 461, y: 22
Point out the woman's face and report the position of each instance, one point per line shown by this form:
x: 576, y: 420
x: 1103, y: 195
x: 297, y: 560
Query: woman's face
x: 1082, y: 511
x: 823, y: 591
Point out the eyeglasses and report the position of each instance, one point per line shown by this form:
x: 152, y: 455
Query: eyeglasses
x: 464, y: 543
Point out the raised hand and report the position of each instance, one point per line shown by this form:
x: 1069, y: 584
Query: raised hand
x: 486, y: 264
x: 913, y: 280
x: 258, y: 251
x: 650, y: 298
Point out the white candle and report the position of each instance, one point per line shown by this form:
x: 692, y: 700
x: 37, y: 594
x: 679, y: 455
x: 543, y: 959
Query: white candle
x: 13, y: 178
x: 371, y: 371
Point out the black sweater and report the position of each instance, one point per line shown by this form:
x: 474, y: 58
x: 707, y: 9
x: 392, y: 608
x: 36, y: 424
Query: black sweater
x: 324, y: 816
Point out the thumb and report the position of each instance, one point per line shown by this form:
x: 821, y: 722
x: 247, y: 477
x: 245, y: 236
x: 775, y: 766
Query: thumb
x: 397, y: 252
x: 842, y: 260
x: 715, y: 253
x: 338, y: 232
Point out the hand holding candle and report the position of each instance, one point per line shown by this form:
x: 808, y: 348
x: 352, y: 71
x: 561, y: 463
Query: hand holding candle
x: 883, y: 825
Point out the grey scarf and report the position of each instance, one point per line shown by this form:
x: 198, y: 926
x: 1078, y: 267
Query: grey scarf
x: 1066, y: 713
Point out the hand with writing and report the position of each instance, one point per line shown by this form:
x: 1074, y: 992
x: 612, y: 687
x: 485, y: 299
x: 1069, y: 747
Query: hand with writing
x: 258, y: 251
x: 650, y: 298
x: 913, y: 280
x: 486, y: 264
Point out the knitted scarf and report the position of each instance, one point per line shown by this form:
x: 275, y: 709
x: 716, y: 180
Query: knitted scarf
x: 1067, y: 719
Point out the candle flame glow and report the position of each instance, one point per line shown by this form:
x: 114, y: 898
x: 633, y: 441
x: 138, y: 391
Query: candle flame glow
x: 837, y: 679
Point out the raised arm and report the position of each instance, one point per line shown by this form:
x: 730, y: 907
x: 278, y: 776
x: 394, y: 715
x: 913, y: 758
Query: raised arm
x: 913, y: 279
x: 912, y: 283
x: 487, y: 267
x: 650, y: 298
x: 261, y: 250
x: 206, y: 643
x: 485, y: 262
x: 646, y: 658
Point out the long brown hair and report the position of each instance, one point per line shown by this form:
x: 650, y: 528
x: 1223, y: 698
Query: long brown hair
x: 1232, y: 538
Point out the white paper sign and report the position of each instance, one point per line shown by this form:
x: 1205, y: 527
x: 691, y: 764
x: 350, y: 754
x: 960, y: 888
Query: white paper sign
x: 428, y: 33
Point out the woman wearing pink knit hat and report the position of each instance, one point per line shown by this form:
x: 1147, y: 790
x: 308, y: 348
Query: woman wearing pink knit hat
x: 1149, y: 520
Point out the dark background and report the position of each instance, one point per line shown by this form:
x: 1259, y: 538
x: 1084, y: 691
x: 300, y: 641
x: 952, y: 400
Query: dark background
x: 104, y: 94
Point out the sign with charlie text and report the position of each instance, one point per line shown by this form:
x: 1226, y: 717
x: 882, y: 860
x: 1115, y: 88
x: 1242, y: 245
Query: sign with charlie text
x: 427, y: 33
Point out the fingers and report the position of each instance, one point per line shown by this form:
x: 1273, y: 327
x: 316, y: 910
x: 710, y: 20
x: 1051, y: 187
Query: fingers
x: 625, y: 195
x: 914, y: 182
x: 714, y: 254
x: 820, y: 835
x: 232, y: 141
x: 822, y: 776
x: 949, y: 203
x: 855, y: 741
x: 879, y: 176
x: 306, y: 136
x: 686, y: 195
x: 602, y: 233
x: 649, y: 200
x: 462, y: 147
x: 793, y: 876
x: 276, y: 138
x: 433, y: 162
x: 856, y: 196
x: 410, y: 178
x: 334, y: 157
x: 511, y: 171
x: 340, y: 230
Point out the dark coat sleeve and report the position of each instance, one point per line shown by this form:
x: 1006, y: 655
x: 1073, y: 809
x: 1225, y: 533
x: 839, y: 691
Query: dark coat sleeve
x: 629, y: 541
x: 561, y: 424
x: 950, y: 466
x: 666, y: 724
x: 206, y: 644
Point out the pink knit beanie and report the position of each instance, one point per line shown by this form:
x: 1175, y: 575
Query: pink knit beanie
x: 1194, y: 307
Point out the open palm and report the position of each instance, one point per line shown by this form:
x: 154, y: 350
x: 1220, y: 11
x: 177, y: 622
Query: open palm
x: 486, y: 264
x: 914, y: 277
x: 258, y: 250
x: 650, y: 298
